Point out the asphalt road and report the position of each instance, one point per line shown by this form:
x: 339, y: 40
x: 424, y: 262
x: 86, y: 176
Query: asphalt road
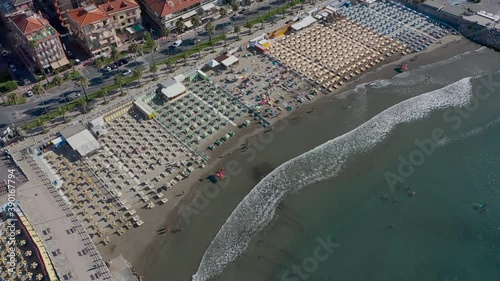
x: 53, y: 98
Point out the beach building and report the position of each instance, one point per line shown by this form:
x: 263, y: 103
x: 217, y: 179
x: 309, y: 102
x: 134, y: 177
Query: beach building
x: 40, y: 44
x: 80, y: 140
x: 171, y: 89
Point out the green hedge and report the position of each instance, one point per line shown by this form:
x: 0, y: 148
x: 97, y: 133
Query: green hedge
x: 8, y: 86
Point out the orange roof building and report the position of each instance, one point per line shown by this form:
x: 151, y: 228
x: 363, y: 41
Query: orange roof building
x: 39, y: 41
x: 111, y: 24
x: 93, y: 29
x: 166, y: 12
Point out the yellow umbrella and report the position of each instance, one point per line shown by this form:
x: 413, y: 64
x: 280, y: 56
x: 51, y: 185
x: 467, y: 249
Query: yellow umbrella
x: 30, y: 275
x: 34, y: 265
x: 39, y: 276
x: 28, y: 253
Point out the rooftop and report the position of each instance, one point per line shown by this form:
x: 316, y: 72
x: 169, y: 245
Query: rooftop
x: 8, y: 7
x: 166, y: 7
x: 87, y: 15
x: 34, y: 26
x: 115, y: 6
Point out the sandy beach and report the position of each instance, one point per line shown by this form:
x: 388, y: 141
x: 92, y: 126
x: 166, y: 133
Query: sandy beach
x: 199, y: 207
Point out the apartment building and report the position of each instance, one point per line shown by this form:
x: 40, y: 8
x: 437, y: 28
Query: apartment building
x: 167, y: 12
x: 93, y: 28
x: 125, y: 16
x: 40, y: 44
x: 13, y: 7
x: 63, y: 6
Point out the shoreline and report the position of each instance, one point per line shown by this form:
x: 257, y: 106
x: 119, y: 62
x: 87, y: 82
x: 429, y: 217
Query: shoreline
x: 146, y: 237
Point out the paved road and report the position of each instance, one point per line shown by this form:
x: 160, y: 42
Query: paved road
x: 33, y: 108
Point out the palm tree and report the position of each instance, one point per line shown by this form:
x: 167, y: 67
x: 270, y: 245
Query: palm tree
x: 58, y: 81
x: 196, y: 21
x: 13, y: 98
x: 235, y: 6
x: 135, y: 49
x: 38, y: 91
x: 153, y: 68
x: 83, y: 104
x: 99, y: 63
x: 223, y: 12
x: 40, y: 123
x: 138, y: 73
x: 62, y: 111
x: 249, y: 25
x: 261, y: 23
x: 237, y: 29
x: 225, y: 39
x: 84, y: 83
x: 185, y: 56
x: 165, y: 32
x: 34, y: 46
x: 103, y: 93
x: 210, y: 29
x: 115, y: 54
x: 119, y: 81
x: 168, y: 64
x: 179, y: 25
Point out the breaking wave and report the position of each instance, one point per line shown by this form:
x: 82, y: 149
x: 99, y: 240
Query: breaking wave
x: 259, y: 207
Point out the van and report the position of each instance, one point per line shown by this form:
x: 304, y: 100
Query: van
x: 176, y: 43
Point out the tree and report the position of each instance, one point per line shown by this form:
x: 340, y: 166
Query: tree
x: 261, y: 20
x: 34, y: 46
x: 135, y: 49
x: 179, y: 25
x: 165, y: 32
x: 153, y: 68
x: 196, y: 21
x: 249, y: 25
x: 237, y: 29
x: 40, y: 122
x: 119, y: 81
x: 13, y: 98
x: 210, y: 29
x: 38, y: 91
x: 168, y: 64
x: 235, y: 6
x: 62, y: 111
x: 99, y: 63
x: 185, y: 56
x: 223, y: 12
x: 83, y: 82
x: 102, y: 94
x: 83, y: 104
x: 58, y: 81
x: 115, y: 54
x: 138, y: 73
x: 225, y: 39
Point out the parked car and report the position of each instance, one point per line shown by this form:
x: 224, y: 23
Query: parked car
x: 123, y: 61
x: 77, y: 61
x: 113, y: 66
x: 106, y: 69
x: 73, y: 96
x: 176, y: 44
x: 29, y: 94
x: 13, y: 68
x: 126, y: 72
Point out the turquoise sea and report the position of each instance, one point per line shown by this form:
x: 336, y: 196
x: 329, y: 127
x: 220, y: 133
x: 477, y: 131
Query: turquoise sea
x: 407, y: 193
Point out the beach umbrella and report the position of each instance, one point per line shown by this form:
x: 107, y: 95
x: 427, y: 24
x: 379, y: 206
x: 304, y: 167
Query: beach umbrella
x: 39, y: 276
x: 28, y: 253
x: 34, y: 265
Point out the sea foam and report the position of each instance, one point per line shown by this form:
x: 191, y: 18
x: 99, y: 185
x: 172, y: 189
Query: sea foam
x: 259, y: 207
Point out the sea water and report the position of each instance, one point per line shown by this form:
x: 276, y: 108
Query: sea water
x: 394, y: 199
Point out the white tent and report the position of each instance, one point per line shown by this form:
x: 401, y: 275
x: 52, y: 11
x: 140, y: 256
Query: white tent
x: 212, y: 63
x: 229, y: 61
x: 171, y: 88
x: 83, y: 142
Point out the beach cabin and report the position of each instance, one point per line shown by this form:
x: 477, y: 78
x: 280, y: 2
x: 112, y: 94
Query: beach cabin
x: 170, y: 89
x: 144, y: 109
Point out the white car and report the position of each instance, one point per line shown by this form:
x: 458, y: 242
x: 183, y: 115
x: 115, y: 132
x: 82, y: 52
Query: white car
x: 125, y: 72
x: 13, y: 68
x: 177, y: 44
x: 29, y: 93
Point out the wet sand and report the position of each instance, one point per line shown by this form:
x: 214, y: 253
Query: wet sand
x: 202, y: 207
